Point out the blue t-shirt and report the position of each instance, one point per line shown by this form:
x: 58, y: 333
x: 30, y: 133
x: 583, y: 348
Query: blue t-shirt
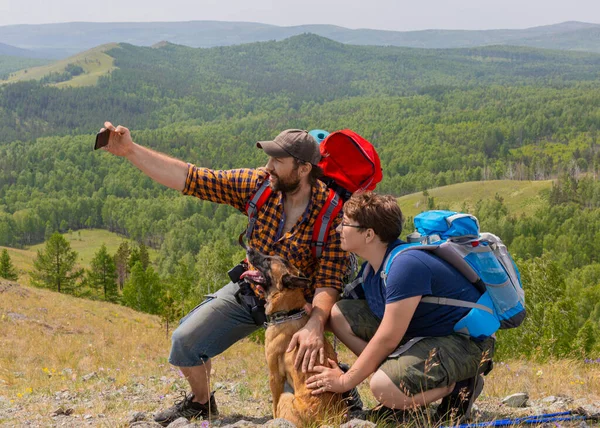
x: 420, y: 273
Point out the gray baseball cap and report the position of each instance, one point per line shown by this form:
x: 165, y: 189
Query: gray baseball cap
x: 296, y: 143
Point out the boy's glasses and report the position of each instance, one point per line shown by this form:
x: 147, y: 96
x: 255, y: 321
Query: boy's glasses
x: 358, y: 226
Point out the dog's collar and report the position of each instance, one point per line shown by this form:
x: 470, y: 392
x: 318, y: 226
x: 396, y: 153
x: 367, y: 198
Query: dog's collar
x: 281, y: 317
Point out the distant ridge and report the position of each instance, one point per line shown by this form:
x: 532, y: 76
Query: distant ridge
x: 57, y: 41
x: 8, y: 50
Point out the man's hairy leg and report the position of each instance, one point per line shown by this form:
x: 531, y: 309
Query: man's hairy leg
x: 199, y: 379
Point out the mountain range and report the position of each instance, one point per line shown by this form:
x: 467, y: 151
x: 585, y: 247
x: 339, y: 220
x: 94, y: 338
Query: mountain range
x: 56, y: 41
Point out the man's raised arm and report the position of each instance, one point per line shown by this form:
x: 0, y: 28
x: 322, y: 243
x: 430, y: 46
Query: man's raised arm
x: 159, y: 167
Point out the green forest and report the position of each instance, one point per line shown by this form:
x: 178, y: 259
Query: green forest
x: 436, y: 117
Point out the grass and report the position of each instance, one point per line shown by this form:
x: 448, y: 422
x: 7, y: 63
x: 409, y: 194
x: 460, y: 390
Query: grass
x: 520, y: 197
x: 105, y: 361
x: 95, y: 63
x: 86, y: 242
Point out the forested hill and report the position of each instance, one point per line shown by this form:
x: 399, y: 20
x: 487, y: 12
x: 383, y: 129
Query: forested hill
x: 436, y: 117
x: 56, y: 40
x: 153, y: 87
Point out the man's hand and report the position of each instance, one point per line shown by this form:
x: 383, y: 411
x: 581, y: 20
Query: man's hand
x: 119, y: 142
x: 327, y: 379
x: 311, y: 346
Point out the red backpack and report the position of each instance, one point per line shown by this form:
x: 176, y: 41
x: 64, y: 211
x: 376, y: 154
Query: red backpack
x: 350, y: 163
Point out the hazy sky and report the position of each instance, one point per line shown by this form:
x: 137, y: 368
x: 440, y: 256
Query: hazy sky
x: 399, y: 15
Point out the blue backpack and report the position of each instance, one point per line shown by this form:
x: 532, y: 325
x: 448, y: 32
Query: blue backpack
x: 481, y: 257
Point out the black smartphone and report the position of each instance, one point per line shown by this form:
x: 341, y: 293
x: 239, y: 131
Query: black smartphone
x: 102, y: 139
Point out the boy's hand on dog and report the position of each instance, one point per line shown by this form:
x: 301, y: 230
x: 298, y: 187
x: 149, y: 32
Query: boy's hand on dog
x: 327, y: 379
x: 311, y: 345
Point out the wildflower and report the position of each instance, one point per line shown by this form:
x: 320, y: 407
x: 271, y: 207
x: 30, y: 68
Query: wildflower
x: 243, y: 372
x: 539, y: 373
x: 204, y: 424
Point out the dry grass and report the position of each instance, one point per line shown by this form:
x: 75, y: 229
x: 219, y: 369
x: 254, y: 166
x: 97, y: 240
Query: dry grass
x: 105, y: 362
x: 95, y: 63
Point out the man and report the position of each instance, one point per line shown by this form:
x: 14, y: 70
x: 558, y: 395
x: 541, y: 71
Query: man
x: 283, y: 227
x: 409, y: 345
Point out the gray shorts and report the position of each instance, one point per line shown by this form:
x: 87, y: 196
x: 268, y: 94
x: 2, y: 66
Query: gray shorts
x: 211, y: 328
x: 430, y: 363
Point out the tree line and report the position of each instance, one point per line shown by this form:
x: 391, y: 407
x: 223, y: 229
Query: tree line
x: 556, y: 250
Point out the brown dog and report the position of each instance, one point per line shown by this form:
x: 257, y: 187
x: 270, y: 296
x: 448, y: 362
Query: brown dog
x: 285, y: 301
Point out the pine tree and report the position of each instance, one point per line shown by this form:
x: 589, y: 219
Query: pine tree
x: 55, y: 266
x: 139, y: 254
x: 122, y: 263
x: 103, y: 274
x: 144, y: 256
x: 143, y: 291
x: 7, y: 270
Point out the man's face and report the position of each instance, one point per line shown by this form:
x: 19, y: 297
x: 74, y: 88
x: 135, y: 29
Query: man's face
x: 284, y: 174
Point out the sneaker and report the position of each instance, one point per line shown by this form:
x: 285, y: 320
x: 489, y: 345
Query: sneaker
x: 459, y: 403
x: 186, y: 408
x: 352, y: 397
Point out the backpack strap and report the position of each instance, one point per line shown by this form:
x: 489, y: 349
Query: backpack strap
x: 435, y: 248
x: 321, y: 228
x: 322, y: 225
x: 387, y: 262
x: 255, y: 203
x: 455, y: 302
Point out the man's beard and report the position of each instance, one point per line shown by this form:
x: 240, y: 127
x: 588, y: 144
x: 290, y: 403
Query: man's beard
x: 289, y: 185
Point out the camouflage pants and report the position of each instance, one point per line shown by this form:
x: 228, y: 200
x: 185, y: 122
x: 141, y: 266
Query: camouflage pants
x: 431, y: 362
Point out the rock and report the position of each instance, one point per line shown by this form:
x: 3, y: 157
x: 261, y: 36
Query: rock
x: 61, y: 411
x: 16, y: 316
x: 145, y: 424
x: 86, y: 417
x: 243, y: 423
x: 180, y: 423
x: 88, y: 376
x: 516, y: 400
x: 358, y: 423
x: 137, y: 417
x: 279, y: 423
x: 549, y: 400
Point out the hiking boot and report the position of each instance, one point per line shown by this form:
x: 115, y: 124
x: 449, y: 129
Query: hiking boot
x: 186, y: 408
x: 352, y: 397
x: 457, y: 406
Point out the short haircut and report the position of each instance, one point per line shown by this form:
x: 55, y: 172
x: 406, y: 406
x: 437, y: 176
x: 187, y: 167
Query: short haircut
x: 378, y: 212
x: 315, y: 173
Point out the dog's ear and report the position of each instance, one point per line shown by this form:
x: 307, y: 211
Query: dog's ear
x: 292, y: 281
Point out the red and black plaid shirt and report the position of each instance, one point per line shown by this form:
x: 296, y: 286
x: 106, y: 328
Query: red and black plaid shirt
x: 235, y: 187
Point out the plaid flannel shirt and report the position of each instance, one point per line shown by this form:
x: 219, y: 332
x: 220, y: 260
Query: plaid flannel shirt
x: 236, y: 187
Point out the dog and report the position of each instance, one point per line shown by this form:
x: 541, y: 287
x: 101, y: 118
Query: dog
x: 283, y: 287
